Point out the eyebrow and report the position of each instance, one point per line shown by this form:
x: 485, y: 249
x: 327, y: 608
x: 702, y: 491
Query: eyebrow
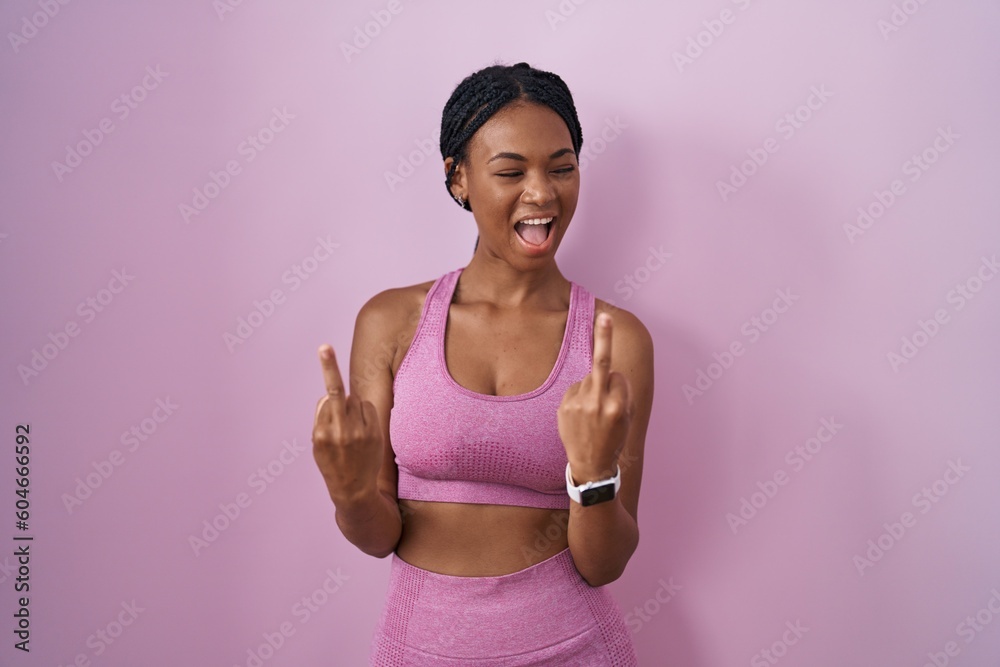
x: 516, y: 156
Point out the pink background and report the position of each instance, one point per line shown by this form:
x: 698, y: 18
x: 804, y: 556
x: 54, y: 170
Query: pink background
x: 650, y: 183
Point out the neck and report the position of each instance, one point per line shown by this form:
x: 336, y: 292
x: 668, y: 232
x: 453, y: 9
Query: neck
x: 493, y: 279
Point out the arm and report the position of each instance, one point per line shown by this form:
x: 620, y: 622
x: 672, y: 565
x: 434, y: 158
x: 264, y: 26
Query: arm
x: 369, y: 516
x: 603, y: 537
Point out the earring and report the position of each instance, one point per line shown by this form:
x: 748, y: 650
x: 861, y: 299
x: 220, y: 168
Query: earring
x: 461, y: 202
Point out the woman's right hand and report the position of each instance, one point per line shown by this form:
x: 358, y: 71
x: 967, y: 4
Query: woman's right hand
x: 347, y: 439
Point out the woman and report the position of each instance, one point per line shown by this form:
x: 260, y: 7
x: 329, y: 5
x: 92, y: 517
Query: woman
x: 484, y: 401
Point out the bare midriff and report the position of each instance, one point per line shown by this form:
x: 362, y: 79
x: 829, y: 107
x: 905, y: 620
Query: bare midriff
x: 469, y: 540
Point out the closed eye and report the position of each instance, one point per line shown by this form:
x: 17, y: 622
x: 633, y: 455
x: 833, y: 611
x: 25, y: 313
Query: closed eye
x: 515, y: 174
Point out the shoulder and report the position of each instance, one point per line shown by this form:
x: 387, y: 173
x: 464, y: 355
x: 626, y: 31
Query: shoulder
x: 393, y: 309
x: 383, y: 330
x: 387, y: 322
x: 629, y: 334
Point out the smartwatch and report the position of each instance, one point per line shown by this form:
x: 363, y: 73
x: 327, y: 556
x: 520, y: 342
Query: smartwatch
x: 592, y: 493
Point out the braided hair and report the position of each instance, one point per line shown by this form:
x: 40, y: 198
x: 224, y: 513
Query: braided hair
x: 482, y: 94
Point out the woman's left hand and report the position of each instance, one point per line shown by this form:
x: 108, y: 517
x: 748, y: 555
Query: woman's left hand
x: 595, y: 413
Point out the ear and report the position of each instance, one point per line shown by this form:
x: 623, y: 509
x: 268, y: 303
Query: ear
x: 457, y: 179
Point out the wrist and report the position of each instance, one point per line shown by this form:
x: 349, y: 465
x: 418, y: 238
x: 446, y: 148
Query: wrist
x: 582, y: 473
x: 358, y: 507
x: 592, y: 492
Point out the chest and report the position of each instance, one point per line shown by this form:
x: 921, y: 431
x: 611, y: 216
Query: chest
x: 502, y: 355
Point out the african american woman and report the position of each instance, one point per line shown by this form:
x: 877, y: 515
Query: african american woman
x: 492, y: 441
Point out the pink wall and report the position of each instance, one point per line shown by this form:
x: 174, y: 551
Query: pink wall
x: 840, y: 108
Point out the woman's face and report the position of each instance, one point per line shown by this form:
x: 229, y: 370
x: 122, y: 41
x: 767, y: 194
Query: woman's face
x: 520, y: 165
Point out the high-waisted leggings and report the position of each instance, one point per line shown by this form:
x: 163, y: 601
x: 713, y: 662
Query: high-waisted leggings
x: 546, y: 614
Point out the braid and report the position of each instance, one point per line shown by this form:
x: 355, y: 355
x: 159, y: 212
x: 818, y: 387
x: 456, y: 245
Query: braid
x: 482, y: 94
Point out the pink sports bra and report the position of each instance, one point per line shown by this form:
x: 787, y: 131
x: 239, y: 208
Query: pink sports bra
x: 456, y: 445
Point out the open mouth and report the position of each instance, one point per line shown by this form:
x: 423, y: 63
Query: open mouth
x: 535, y: 231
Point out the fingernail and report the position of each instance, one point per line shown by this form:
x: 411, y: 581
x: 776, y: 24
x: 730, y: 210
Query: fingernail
x: 605, y: 319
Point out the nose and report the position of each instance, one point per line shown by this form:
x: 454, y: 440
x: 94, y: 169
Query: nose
x: 538, y: 189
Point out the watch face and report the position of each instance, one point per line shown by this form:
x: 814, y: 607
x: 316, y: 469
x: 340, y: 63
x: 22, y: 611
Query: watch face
x: 597, y: 494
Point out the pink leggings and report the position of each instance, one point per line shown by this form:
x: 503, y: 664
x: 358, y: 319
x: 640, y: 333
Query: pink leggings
x: 545, y: 614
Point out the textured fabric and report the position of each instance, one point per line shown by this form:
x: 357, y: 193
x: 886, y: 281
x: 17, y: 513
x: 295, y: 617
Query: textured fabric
x: 546, y: 614
x: 456, y: 445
